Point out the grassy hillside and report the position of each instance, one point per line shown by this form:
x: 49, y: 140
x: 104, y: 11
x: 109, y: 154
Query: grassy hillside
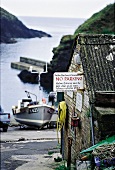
x: 102, y: 22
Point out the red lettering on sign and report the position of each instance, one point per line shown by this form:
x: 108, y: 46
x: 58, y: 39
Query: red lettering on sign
x: 72, y: 78
x: 79, y: 78
x: 59, y: 78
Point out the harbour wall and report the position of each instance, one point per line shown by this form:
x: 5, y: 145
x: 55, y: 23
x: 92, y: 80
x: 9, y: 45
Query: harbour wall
x: 25, y: 63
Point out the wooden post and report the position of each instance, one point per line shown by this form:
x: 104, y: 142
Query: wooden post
x: 69, y: 152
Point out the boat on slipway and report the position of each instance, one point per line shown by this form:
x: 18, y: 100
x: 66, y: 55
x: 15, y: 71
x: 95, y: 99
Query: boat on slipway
x: 33, y: 113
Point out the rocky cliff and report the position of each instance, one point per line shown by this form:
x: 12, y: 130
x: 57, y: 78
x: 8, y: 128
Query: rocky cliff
x: 12, y: 28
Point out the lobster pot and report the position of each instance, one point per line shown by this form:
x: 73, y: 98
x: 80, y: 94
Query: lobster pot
x: 75, y: 121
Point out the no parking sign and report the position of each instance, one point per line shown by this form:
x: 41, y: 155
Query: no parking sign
x: 67, y: 81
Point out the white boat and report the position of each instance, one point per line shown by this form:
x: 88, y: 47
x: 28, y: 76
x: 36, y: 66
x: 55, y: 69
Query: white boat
x: 32, y: 113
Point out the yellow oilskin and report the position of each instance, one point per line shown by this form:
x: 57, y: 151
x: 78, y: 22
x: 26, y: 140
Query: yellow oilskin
x: 61, y: 116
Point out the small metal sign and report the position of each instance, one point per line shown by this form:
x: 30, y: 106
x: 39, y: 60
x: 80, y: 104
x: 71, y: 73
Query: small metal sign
x: 79, y: 101
x: 86, y: 99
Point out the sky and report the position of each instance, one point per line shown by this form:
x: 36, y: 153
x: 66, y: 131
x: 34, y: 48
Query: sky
x: 55, y: 8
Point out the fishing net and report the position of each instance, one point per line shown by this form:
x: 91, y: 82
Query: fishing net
x: 104, y: 155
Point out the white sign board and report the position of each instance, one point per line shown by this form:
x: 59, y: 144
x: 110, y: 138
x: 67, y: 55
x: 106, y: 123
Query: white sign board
x: 67, y: 81
x: 70, y: 94
x: 79, y: 101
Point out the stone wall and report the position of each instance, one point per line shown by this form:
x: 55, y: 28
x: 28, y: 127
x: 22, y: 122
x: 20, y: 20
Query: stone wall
x: 81, y: 134
x: 82, y: 102
x: 104, y: 118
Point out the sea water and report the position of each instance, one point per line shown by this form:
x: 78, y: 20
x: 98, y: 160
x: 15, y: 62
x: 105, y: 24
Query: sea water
x: 12, y: 88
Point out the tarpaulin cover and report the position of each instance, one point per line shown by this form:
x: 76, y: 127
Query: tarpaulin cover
x: 109, y: 140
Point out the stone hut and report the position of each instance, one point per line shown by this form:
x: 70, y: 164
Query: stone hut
x: 91, y: 110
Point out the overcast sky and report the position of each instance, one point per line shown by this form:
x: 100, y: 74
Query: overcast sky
x: 55, y: 8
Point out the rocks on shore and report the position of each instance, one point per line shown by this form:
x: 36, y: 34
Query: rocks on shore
x: 29, y: 77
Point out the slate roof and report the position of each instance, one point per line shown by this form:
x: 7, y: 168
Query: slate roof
x: 97, y: 53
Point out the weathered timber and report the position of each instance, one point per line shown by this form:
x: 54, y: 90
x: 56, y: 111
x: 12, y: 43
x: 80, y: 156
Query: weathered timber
x: 105, y: 99
x: 106, y: 121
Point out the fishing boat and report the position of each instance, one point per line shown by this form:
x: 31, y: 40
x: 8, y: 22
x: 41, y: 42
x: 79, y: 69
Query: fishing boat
x: 33, y: 113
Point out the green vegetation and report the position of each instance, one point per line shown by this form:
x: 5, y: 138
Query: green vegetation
x: 67, y: 38
x: 64, y: 43
x: 62, y: 167
x: 100, y: 23
x: 6, y: 15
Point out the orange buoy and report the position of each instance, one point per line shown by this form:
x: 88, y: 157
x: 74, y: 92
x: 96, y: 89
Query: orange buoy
x: 43, y: 100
